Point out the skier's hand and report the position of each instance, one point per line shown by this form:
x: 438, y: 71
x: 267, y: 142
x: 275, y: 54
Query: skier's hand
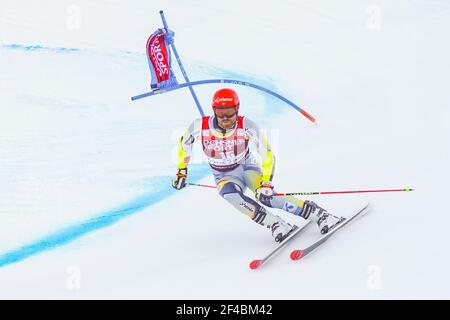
x: 179, y: 182
x: 264, y: 192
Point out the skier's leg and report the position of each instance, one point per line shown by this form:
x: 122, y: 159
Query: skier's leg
x: 232, y: 190
x: 290, y: 204
x: 306, y: 209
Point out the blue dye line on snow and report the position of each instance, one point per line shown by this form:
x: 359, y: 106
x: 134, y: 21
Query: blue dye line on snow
x: 63, y: 50
x: 39, y: 48
x: 161, y: 190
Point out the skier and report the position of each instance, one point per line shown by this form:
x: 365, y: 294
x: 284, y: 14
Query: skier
x: 226, y: 139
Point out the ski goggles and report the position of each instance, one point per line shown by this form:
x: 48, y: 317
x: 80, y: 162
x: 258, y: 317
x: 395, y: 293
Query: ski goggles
x: 225, y: 115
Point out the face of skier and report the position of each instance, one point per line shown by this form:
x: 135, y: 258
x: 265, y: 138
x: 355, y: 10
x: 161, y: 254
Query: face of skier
x: 226, y: 117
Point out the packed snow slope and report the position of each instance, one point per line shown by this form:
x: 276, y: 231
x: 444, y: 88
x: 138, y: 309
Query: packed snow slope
x: 86, y: 207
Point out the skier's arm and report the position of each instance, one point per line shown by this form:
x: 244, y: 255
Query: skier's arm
x: 268, y: 164
x: 184, y: 153
x: 264, y: 150
x: 186, y: 142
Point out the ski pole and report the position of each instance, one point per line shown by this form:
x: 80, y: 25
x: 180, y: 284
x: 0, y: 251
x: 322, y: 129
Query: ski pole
x: 341, y: 192
x: 320, y: 192
x: 201, y: 185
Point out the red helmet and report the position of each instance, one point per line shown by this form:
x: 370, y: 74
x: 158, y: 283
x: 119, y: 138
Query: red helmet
x: 225, y: 98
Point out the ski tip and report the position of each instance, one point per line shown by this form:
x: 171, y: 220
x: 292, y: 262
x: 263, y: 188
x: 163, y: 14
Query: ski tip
x: 255, y: 264
x: 296, y: 254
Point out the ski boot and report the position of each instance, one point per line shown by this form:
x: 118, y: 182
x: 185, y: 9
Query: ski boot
x: 281, y: 230
x: 325, y: 221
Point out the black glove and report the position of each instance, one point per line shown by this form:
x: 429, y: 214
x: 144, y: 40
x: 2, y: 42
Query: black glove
x: 179, y: 182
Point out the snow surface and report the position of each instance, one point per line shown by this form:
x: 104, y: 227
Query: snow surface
x: 86, y: 207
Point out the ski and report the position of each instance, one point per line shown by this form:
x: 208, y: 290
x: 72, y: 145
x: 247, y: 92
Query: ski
x: 301, y: 253
x: 296, y: 231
